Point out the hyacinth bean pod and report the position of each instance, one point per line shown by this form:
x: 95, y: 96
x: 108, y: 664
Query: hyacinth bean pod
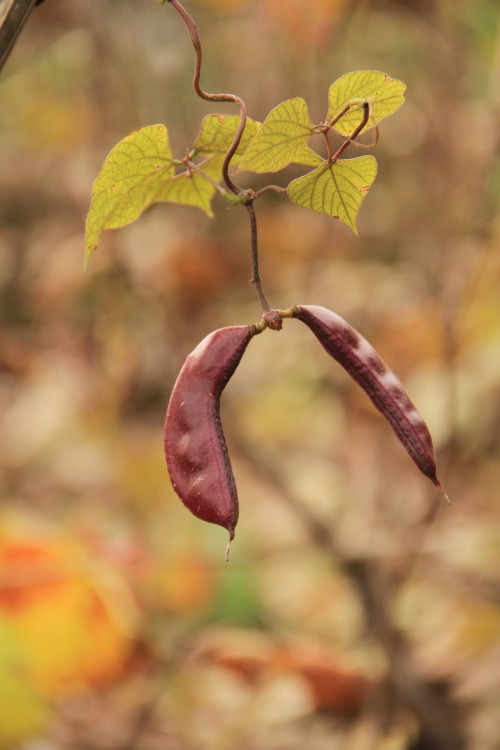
x: 195, y: 447
x: 365, y: 366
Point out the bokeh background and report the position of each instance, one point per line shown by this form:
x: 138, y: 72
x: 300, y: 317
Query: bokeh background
x: 358, y: 610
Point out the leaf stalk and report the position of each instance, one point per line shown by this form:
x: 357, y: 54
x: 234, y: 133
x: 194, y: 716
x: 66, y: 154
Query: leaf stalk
x: 256, y: 280
x: 354, y: 135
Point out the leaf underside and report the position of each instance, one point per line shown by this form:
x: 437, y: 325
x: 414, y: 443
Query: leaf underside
x: 141, y: 170
x: 282, y: 140
x: 189, y: 188
x: 336, y: 189
x: 217, y: 133
x: 132, y: 176
x: 385, y: 94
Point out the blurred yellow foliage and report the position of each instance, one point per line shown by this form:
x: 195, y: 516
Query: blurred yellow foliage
x: 23, y: 711
x: 66, y: 621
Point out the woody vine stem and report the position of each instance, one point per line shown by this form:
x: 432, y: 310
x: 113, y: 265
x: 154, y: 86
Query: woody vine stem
x: 194, y: 35
x: 248, y: 196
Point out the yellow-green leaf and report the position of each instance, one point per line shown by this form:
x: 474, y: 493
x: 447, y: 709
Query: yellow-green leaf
x: 191, y: 188
x: 336, y: 189
x: 130, y: 180
x: 384, y: 93
x: 217, y: 134
x: 282, y: 139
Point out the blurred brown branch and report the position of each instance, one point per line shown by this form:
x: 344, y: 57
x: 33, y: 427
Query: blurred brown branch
x: 439, y: 728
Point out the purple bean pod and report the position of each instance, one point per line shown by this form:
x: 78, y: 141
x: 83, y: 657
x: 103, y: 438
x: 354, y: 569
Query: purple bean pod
x: 365, y: 366
x: 195, y: 447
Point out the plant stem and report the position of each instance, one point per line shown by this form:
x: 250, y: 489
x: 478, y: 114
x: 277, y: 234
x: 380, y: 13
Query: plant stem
x: 268, y: 188
x: 342, y: 112
x: 255, y: 280
x: 194, y: 35
x: 354, y: 134
x: 197, y: 168
x: 326, y: 133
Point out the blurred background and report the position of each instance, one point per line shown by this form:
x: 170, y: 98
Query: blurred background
x: 358, y: 610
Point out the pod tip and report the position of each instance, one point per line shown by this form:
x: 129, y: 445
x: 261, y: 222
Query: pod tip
x: 446, y: 497
x: 442, y: 491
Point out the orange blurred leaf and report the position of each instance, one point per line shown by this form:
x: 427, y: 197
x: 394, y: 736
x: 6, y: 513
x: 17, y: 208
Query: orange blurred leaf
x: 73, y: 616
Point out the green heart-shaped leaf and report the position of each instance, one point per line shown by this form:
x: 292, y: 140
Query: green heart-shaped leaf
x: 384, y: 93
x: 130, y: 180
x: 191, y: 188
x: 282, y: 140
x: 336, y: 189
x: 217, y: 134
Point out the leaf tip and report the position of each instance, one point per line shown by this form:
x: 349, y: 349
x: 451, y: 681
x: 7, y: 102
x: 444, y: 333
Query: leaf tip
x: 89, y: 251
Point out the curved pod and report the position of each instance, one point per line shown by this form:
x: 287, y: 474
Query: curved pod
x: 195, y: 447
x: 358, y: 357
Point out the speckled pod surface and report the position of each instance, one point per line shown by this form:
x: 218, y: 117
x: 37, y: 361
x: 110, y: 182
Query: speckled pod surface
x: 358, y: 357
x: 195, y: 447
